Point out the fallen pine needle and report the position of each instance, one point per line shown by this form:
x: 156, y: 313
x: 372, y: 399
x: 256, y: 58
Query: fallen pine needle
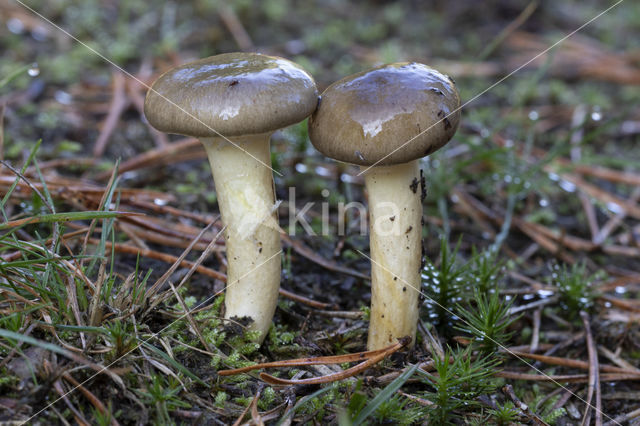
x: 369, y: 358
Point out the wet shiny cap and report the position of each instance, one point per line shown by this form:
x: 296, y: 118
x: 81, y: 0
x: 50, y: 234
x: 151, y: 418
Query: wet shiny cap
x: 233, y: 93
x: 366, y: 118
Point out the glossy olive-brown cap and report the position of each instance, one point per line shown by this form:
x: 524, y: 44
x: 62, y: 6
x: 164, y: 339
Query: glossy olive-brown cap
x: 233, y: 94
x: 391, y: 114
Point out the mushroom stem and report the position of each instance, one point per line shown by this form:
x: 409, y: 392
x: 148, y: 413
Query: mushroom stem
x: 246, y: 198
x: 395, y: 213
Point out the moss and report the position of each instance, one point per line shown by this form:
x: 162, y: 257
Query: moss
x: 267, y: 398
x: 220, y: 398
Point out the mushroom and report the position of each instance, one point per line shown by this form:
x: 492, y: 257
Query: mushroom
x: 233, y: 103
x: 385, y: 120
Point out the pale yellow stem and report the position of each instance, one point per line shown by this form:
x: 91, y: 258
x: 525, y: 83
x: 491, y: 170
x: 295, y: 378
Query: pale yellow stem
x: 246, y: 198
x: 395, y: 212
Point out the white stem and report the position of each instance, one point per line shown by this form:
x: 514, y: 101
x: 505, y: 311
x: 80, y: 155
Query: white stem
x: 246, y: 198
x: 395, y: 213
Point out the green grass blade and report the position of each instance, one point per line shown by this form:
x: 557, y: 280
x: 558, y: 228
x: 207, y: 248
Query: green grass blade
x: 14, y: 74
x: 384, y: 395
x: 174, y: 363
x: 80, y: 328
x: 6, y: 197
x: 61, y: 217
x: 302, y: 402
x: 35, y: 342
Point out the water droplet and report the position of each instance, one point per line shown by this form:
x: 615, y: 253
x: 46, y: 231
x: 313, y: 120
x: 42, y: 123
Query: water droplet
x: 545, y: 293
x: 554, y: 177
x: 543, y: 202
x: 301, y: 168
x: 507, y: 178
x: 62, y: 97
x: 15, y: 26
x: 533, y: 115
x: 39, y: 34
x: 620, y: 290
x: 615, y: 208
x: 455, y: 198
x: 323, y: 171
x: 567, y: 186
x: 596, y: 116
x: 347, y: 178
x: 34, y: 71
x: 160, y: 202
x: 607, y: 304
x: 132, y: 174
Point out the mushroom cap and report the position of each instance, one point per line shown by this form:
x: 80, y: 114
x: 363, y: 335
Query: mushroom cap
x: 391, y: 114
x: 233, y: 94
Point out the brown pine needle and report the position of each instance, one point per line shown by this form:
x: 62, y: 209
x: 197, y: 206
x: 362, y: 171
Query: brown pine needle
x: 402, y: 342
x: 332, y: 359
x: 564, y: 378
x: 573, y: 363
x: 305, y: 300
x: 325, y: 379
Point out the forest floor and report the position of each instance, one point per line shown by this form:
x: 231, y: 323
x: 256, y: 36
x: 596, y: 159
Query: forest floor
x: 531, y: 287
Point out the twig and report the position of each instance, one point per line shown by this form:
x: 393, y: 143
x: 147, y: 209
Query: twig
x: 513, y: 25
x: 414, y: 398
x: 57, y: 385
x: 306, y: 252
x: 535, y: 336
x: 305, y: 300
x: 157, y: 157
x: 238, y: 421
x: 119, y: 103
x: 615, y: 221
x: 320, y: 360
x: 330, y: 377
x: 90, y: 396
x: 341, y: 314
x: 255, y: 416
x: 233, y: 24
x: 1, y: 130
x: 533, y: 305
x: 524, y: 408
x: 568, y: 378
x: 370, y: 357
x: 152, y: 254
x: 624, y: 418
x: 134, y: 87
x: 574, y: 363
x: 594, y: 380
x: 616, y: 359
